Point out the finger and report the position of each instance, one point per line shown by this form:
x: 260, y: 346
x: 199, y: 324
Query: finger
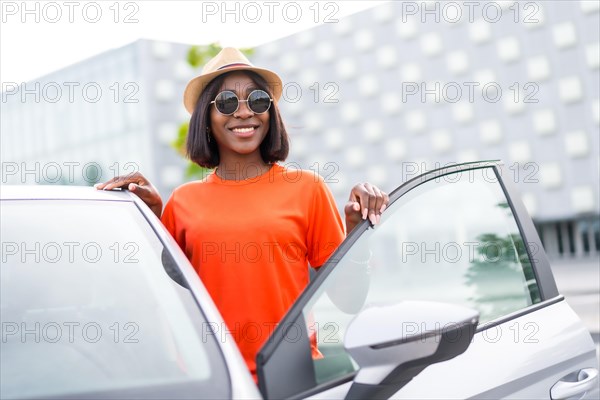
x: 357, y: 195
x: 147, y: 193
x: 122, y: 181
x: 368, y: 200
x: 355, y: 189
x: 378, y: 203
x: 352, y: 210
x: 101, y: 185
x: 378, y: 200
x: 141, y: 191
x: 386, y: 201
x: 119, y: 183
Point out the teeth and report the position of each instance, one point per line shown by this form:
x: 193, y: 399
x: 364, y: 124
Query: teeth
x: 242, y: 130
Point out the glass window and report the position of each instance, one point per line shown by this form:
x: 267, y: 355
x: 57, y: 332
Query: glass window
x: 596, y: 233
x: 583, y: 228
x: 559, y: 238
x: 87, y: 306
x: 451, y: 240
x: 570, y: 237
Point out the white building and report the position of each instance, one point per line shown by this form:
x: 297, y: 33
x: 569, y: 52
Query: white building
x: 396, y: 89
x: 112, y: 114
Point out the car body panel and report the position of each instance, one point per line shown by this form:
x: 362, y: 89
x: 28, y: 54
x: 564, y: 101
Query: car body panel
x: 516, y: 369
x: 522, y: 358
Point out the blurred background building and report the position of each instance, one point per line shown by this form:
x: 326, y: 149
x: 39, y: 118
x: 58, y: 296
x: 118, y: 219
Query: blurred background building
x: 380, y: 96
x: 112, y: 114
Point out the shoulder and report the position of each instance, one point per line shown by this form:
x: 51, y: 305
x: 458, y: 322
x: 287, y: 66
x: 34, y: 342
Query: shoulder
x: 291, y: 173
x: 192, y: 188
x: 305, y: 186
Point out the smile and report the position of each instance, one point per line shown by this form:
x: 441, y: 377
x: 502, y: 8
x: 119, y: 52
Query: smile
x: 245, y: 131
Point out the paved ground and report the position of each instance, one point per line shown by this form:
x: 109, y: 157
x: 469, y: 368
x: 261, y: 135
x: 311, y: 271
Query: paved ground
x: 579, y: 281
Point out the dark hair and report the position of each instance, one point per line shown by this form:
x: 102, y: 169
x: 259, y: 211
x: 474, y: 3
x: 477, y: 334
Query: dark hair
x: 274, y: 147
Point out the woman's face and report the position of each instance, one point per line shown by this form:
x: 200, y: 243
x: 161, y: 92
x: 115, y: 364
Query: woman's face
x: 243, y: 131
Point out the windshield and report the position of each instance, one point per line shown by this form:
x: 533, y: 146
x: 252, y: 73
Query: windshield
x: 86, y: 306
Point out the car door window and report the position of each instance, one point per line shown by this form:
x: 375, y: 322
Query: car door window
x: 88, y: 305
x: 452, y: 239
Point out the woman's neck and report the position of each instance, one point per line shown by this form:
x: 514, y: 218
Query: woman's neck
x: 241, y: 168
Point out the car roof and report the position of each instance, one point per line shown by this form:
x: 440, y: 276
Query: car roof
x: 58, y: 192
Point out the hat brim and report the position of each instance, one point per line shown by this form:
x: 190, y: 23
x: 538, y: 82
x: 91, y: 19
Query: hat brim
x: 196, y: 86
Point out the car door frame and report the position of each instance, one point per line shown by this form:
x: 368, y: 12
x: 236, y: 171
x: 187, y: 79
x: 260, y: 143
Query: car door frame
x: 279, y: 380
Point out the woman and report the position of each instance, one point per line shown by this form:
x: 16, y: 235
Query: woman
x: 251, y: 228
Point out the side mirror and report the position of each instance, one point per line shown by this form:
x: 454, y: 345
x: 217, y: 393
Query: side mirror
x: 393, y: 344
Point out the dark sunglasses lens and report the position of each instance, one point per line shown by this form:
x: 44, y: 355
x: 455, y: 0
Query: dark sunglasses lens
x: 226, y: 102
x: 259, y: 101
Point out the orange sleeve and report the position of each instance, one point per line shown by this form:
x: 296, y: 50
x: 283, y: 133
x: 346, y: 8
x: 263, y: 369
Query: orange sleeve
x: 325, y: 227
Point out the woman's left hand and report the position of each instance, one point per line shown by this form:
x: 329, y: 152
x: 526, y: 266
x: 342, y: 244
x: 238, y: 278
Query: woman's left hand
x: 366, y: 201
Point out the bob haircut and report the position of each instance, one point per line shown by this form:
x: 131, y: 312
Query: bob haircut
x: 274, y: 147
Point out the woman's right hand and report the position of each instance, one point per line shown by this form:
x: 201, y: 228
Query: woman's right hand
x: 137, y: 184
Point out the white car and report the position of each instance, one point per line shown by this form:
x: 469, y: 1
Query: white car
x: 450, y: 296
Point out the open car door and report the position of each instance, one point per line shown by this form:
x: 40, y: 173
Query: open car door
x: 450, y: 296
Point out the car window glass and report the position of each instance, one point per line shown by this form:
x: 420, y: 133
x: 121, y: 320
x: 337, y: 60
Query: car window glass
x: 88, y: 306
x: 452, y: 239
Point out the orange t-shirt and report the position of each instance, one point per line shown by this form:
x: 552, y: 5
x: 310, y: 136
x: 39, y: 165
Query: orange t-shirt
x: 251, y: 241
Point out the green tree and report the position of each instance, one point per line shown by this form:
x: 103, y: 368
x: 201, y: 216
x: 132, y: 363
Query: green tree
x: 498, y: 271
x: 196, y: 57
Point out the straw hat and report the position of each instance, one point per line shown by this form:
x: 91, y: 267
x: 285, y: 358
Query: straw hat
x: 229, y: 59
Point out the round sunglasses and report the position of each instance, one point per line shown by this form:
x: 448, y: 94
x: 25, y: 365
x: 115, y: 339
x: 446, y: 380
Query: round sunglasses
x: 227, y: 102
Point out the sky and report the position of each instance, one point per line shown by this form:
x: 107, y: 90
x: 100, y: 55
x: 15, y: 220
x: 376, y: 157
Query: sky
x: 39, y: 37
